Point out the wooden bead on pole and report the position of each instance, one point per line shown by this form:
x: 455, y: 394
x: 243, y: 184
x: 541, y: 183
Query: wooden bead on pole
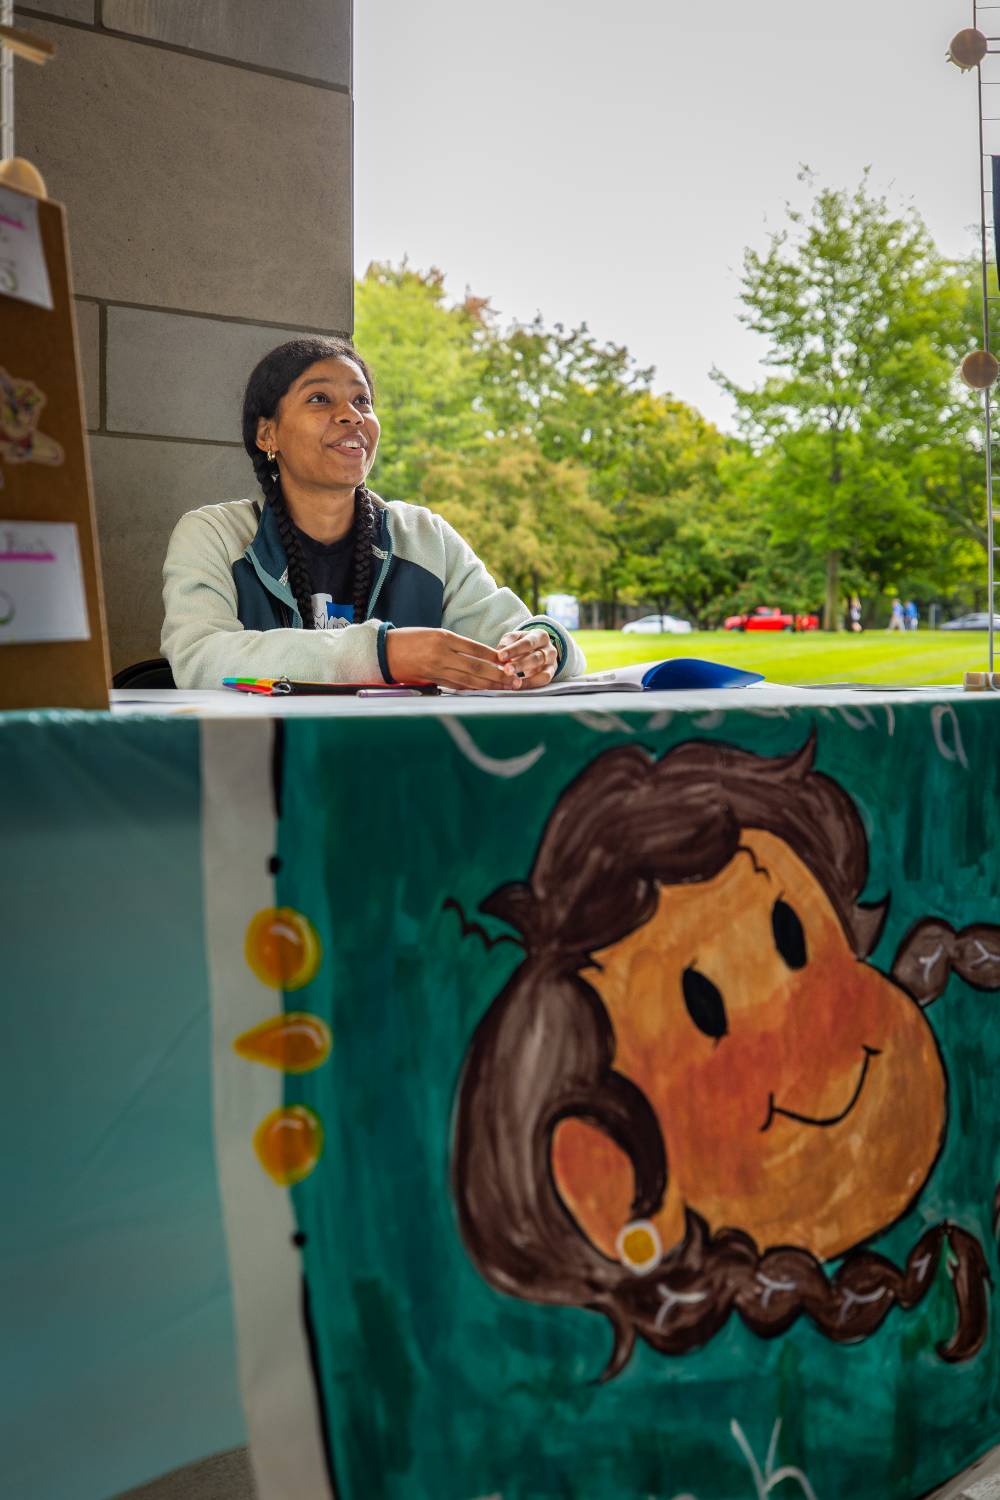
x: 968, y: 49
x: 980, y: 369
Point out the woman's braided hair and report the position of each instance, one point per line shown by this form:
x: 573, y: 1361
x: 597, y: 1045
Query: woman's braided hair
x: 265, y: 388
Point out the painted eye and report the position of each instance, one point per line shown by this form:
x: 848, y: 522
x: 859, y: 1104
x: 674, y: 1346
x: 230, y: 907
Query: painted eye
x: 704, y: 1003
x: 789, y: 939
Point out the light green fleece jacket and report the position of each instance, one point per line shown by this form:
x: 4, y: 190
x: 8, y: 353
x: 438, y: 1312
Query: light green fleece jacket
x: 229, y: 611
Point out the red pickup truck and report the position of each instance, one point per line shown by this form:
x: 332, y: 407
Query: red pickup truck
x: 764, y: 617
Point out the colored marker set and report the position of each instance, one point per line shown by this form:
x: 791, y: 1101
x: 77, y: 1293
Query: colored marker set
x: 283, y: 687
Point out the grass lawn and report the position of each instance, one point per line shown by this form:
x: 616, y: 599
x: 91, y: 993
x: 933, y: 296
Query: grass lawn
x: 878, y: 656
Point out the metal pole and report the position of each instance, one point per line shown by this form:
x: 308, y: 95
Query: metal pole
x: 989, y: 518
x: 6, y: 86
x: 987, y: 408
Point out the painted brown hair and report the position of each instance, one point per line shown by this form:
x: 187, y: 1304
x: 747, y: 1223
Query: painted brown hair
x: 544, y: 1053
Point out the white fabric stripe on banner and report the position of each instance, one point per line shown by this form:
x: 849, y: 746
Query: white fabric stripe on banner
x: 279, y: 1399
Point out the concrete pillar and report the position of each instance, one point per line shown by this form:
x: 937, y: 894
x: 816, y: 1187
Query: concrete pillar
x: 204, y: 155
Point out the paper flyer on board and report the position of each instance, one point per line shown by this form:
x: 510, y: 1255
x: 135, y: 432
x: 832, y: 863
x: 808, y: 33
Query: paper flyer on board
x: 41, y: 583
x: 23, y: 272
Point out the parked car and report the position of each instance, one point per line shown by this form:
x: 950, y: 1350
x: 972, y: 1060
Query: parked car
x: 978, y: 621
x: 766, y: 617
x: 658, y: 625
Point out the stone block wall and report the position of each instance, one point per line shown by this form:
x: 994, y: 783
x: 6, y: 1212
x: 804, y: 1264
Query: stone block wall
x: 204, y: 155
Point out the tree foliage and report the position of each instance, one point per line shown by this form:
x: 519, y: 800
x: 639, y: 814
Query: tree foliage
x: 855, y: 468
x: 429, y: 372
x: 861, y: 413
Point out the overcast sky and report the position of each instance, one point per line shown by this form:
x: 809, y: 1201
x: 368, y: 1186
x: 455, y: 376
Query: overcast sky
x: 609, y: 162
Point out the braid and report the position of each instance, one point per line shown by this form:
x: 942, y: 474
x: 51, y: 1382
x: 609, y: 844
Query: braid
x: 269, y: 381
x: 364, y: 538
x: 298, y: 572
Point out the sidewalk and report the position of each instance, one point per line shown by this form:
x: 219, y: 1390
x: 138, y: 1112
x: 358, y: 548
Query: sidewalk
x: 224, y: 1476
x: 981, y: 1482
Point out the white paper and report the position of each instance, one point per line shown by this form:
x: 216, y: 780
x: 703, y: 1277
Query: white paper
x: 23, y: 272
x: 41, y: 583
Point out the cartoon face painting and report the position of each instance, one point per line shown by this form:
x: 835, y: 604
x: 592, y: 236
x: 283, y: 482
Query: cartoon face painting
x: 696, y: 1088
x: 775, y: 1063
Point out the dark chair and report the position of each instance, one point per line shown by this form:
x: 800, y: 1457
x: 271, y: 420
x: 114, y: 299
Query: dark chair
x: 155, y: 673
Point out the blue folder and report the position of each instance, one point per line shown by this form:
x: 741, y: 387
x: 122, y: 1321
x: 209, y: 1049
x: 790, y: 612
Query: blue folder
x: 683, y: 672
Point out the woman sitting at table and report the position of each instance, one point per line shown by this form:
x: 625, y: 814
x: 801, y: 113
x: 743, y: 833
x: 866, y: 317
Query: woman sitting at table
x: 327, y: 582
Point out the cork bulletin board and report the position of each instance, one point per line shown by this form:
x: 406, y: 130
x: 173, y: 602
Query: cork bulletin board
x: 45, y: 479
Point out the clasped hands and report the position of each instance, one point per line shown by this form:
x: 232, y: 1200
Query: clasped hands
x: 521, y: 659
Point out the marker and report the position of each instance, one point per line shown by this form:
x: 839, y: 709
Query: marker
x: 279, y: 687
x: 263, y: 685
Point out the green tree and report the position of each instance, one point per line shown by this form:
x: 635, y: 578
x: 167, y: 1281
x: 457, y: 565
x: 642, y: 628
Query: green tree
x: 573, y: 395
x: 565, y: 388
x: 528, y: 512
x: 950, y: 466
x: 531, y: 519
x: 865, y: 323
x: 428, y: 362
x: 651, y: 460
x: 673, y: 521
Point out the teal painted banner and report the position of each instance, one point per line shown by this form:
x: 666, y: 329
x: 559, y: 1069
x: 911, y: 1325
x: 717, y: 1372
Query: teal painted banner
x: 660, y: 1128
x: 118, y: 1351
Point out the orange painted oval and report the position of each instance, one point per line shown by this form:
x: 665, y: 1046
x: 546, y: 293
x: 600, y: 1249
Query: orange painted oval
x: 282, y: 948
x: 289, y: 1143
x: 295, y: 1042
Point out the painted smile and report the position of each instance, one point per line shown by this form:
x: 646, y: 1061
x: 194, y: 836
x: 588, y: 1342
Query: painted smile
x: 824, y: 1122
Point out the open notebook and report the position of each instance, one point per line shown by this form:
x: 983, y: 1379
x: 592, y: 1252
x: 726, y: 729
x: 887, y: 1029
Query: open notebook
x: 677, y: 674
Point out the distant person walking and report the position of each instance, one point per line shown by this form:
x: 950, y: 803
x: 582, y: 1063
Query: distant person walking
x: 911, y: 615
x: 896, y: 621
x: 854, y: 614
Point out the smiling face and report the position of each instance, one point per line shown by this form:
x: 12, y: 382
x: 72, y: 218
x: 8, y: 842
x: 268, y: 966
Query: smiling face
x: 800, y: 1092
x: 325, y: 430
